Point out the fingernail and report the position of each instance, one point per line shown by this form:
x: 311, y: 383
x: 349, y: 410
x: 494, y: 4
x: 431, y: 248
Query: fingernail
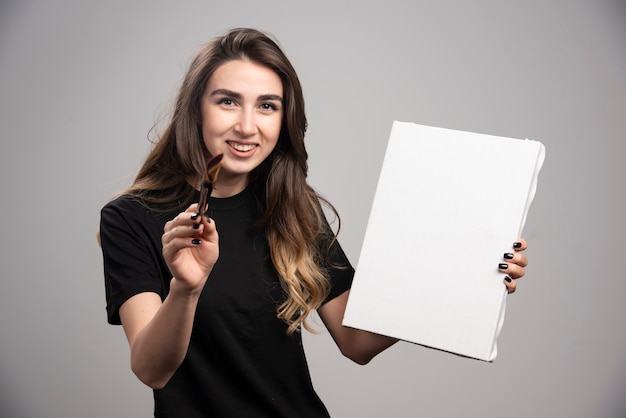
x: 507, y: 279
x: 194, y: 216
x: 517, y: 245
x: 503, y: 266
x: 196, y: 226
x: 508, y: 256
x: 195, y: 241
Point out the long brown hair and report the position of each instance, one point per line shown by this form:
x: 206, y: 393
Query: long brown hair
x: 292, y: 215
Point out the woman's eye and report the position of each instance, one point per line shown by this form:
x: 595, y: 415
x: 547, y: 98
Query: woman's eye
x: 225, y: 101
x: 269, y: 106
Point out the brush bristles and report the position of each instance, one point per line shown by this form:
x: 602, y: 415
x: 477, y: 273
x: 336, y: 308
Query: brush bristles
x: 213, y: 168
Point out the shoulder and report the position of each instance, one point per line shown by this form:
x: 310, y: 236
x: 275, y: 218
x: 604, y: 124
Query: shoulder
x: 130, y: 216
x: 124, y: 208
x: 152, y: 206
x: 123, y: 203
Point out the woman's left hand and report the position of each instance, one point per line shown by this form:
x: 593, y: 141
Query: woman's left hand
x: 513, y: 265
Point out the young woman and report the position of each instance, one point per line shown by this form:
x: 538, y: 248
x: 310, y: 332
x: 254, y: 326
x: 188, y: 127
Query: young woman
x: 212, y: 305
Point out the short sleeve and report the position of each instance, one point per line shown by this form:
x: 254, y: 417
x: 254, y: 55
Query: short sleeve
x: 131, y: 247
x: 340, y: 271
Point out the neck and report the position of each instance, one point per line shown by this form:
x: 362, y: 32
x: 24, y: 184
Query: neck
x: 227, y: 186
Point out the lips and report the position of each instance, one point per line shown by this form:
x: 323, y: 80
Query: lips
x: 240, y: 147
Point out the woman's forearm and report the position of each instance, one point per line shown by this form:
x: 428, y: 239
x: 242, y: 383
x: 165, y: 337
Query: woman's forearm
x: 159, y: 346
x: 357, y: 345
x: 362, y: 346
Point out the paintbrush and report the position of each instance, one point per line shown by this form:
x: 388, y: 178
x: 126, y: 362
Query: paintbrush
x: 209, y: 178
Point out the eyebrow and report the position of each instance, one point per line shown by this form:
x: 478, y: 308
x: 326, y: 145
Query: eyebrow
x: 236, y: 95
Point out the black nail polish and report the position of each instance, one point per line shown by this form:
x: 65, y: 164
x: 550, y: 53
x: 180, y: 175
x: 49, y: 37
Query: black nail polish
x: 195, y: 241
x: 517, y: 245
x: 196, y: 226
x: 503, y: 266
x: 507, y: 279
x: 508, y: 256
x: 194, y: 216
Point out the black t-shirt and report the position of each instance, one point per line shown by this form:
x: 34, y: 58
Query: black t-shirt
x: 240, y: 361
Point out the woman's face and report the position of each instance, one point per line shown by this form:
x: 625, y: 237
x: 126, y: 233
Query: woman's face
x: 241, y: 110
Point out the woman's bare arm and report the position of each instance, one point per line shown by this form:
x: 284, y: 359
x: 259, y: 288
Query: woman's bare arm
x: 362, y: 346
x: 159, y: 332
x: 358, y: 345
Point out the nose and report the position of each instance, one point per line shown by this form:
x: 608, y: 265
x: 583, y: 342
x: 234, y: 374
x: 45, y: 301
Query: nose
x: 246, y: 124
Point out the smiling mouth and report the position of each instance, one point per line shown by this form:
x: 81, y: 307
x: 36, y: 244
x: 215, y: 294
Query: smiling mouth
x: 242, y: 147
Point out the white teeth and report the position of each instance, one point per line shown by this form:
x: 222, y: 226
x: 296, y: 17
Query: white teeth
x: 242, y: 147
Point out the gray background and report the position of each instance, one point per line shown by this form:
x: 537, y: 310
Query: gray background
x: 82, y: 82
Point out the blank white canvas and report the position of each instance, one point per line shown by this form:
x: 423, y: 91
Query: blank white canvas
x: 447, y: 206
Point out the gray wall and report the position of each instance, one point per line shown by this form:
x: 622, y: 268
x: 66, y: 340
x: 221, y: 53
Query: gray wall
x: 82, y: 82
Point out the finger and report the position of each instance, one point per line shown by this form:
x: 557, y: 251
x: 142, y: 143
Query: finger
x: 516, y: 258
x: 513, y: 270
x: 520, y: 245
x: 184, y: 218
x: 182, y: 226
x: 175, y: 244
x: 510, y: 284
x: 208, y: 229
x: 182, y: 232
x: 193, y: 209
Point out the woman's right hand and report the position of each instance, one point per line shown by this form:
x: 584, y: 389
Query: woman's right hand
x: 190, y: 248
